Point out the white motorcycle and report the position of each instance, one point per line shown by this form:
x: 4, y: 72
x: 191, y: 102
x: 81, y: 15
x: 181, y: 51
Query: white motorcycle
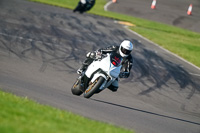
x: 100, y: 74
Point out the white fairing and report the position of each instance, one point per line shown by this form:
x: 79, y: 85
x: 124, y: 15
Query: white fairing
x: 105, y: 65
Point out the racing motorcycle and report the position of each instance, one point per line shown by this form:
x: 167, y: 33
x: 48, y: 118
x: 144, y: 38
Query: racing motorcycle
x: 84, y: 5
x: 99, y: 75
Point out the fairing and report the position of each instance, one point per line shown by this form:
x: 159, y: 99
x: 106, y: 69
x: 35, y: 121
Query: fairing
x: 105, y: 65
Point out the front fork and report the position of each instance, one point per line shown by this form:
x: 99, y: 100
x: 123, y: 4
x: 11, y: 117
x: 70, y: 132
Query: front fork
x: 84, y: 82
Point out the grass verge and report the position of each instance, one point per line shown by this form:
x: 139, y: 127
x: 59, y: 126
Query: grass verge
x: 182, y: 42
x: 20, y: 115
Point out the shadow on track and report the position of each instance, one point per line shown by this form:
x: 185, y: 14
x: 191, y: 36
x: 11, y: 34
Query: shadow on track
x: 144, y: 111
x: 149, y: 66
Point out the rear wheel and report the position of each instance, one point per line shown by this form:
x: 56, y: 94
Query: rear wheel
x: 94, y: 87
x: 76, y: 88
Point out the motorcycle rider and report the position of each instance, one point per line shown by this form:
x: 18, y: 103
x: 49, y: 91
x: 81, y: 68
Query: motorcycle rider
x: 124, y: 50
x: 84, y: 5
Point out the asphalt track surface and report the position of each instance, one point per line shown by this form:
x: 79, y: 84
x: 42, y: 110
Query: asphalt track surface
x: 167, y: 11
x: 42, y: 46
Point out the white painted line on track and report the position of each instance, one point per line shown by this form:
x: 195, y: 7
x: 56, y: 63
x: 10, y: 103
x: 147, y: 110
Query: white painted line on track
x: 106, y: 5
x: 161, y: 47
x: 198, y: 75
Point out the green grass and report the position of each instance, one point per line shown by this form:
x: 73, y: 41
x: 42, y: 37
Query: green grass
x: 182, y: 42
x: 21, y: 115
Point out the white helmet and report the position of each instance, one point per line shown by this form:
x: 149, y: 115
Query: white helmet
x: 125, y: 48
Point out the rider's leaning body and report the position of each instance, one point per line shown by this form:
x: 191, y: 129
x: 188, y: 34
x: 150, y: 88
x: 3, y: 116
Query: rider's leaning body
x: 84, y: 5
x: 124, y: 50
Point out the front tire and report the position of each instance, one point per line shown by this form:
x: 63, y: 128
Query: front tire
x: 94, y: 87
x: 76, y: 88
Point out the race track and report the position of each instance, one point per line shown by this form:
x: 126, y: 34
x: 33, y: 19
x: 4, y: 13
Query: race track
x: 169, y: 12
x: 42, y: 46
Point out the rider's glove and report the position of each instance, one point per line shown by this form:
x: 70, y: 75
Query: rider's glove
x: 91, y: 55
x: 124, y: 74
x: 98, y: 54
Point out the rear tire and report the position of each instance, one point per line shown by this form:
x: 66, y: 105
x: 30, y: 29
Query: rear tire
x: 76, y: 88
x: 94, y: 87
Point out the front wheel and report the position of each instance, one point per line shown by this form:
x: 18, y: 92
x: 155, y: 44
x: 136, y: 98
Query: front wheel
x: 94, y: 87
x: 76, y: 88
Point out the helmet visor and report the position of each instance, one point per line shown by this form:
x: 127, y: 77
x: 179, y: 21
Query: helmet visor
x: 125, y: 51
